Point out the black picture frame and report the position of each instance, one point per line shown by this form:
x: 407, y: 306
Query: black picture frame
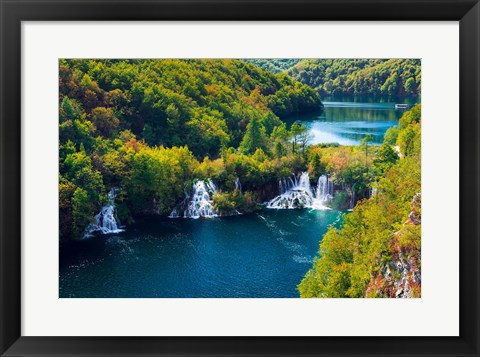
x: 13, y: 12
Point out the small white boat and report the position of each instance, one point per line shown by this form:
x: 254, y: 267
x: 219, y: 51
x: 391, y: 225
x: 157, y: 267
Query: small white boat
x: 401, y: 106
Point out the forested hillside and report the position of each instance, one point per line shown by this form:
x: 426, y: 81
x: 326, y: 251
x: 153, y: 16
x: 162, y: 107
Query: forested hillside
x: 376, y: 253
x: 392, y: 77
x: 149, y: 127
x: 275, y: 65
x: 340, y: 77
x: 172, y: 102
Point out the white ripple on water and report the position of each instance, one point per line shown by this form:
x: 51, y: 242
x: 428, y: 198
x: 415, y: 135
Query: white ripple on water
x: 123, y: 245
x: 83, y: 264
x: 279, y: 233
x: 303, y: 259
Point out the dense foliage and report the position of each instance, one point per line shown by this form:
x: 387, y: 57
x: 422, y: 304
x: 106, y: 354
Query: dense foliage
x: 204, y: 103
x: 379, y: 77
x: 339, y: 77
x: 151, y: 127
x: 275, y: 65
x: 351, y: 168
x: 353, y: 259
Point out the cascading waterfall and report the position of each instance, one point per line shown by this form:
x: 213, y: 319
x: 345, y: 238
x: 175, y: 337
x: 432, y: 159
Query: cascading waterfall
x: 105, y: 221
x: 324, y: 190
x: 352, y: 198
x: 177, y: 211
x: 238, y: 185
x: 286, y: 184
x: 199, y: 204
x: 298, y: 193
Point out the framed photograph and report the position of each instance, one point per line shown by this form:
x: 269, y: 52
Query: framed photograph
x: 239, y: 178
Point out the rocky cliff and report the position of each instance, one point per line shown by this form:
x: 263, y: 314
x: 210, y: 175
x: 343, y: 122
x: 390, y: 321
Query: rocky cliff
x: 399, y: 274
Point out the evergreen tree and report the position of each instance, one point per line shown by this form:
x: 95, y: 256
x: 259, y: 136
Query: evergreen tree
x: 385, y: 159
x: 254, y: 138
x: 316, y: 168
x: 300, y: 135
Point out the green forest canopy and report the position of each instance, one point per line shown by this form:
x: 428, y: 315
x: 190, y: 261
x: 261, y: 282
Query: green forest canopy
x: 336, y: 77
x: 275, y: 65
x: 204, y: 103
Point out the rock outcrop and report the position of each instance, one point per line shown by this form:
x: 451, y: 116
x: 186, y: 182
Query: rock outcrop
x: 399, y: 275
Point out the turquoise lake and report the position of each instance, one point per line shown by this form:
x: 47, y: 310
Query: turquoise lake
x: 346, y: 121
x: 262, y: 255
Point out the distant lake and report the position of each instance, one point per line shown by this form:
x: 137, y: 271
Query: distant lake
x: 346, y: 120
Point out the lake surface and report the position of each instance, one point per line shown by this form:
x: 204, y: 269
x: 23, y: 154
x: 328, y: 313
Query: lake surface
x: 261, y: 255
x: 348, y: 120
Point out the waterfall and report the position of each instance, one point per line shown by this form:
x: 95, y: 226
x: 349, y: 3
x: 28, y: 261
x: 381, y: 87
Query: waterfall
x: 177, y: 210
x: 199, y: 204
x: 238, y: 185
x: 298, y: 193
x: 105, y: 221
x: 324, y: 189
x: 174, y: 213
x: 352, y: 198
x: 286, y: 184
